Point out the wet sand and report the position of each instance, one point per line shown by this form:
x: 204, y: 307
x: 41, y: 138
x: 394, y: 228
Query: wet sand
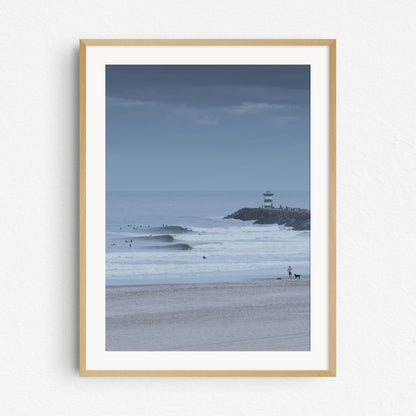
x: 254, y: 315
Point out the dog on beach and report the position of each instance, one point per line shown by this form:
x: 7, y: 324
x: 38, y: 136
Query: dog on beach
x: 297, y: 276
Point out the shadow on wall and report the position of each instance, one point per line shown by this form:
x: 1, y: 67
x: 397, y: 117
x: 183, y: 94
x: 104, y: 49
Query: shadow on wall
x: 66, y: 303
x: 74, y: 81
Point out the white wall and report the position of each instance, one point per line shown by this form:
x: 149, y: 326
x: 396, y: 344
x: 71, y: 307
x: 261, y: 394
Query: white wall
x: 39, y: 202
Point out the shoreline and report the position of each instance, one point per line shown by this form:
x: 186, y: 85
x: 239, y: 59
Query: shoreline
x: 252, y: 315
x: 249, y: 279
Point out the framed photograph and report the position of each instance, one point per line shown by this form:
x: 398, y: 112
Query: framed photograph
x: 207, y: 207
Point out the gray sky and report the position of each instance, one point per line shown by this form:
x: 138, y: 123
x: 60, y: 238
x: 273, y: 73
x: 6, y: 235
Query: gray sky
x: 207, y: 127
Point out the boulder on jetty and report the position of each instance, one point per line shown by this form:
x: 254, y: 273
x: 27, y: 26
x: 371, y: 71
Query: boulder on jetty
x: 297, y: 218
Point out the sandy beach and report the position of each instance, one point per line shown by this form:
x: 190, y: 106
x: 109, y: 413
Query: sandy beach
x: 254, y: 315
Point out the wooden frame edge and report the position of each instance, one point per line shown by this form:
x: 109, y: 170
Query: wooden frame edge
x: 331, y: 43
x: 332, y: 206
x: 207, y: 42
x: 207, y: 373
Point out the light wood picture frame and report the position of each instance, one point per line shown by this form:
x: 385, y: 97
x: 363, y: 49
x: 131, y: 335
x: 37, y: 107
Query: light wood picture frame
x: 95, y: 359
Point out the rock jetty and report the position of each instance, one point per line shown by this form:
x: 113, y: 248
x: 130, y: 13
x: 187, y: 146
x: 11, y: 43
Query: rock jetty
x: 297, y: 218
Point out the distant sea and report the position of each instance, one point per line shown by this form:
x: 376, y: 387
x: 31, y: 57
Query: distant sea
x: 162, y: 237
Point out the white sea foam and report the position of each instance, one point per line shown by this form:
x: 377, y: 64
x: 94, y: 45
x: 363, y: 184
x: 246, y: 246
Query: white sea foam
x: 234, y: 250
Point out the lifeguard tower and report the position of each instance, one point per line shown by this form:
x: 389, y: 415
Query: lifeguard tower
x: 268, y: 199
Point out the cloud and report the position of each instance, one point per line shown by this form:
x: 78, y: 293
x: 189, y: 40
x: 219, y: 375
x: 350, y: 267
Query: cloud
x: 130, y: 102
x: 253, y: 108
x: 191, y: 114
x: 212, y: 115
x: 208, y: 116
x: 172, y: 112
x: 207, y: 120
x: 284, y: 119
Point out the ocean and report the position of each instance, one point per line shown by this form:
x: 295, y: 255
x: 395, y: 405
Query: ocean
x: 181, y: 237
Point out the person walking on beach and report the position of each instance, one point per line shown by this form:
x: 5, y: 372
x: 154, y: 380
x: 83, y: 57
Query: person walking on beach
x: 290, y: 272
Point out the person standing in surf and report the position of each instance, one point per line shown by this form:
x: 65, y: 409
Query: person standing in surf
x: 290, y: 272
